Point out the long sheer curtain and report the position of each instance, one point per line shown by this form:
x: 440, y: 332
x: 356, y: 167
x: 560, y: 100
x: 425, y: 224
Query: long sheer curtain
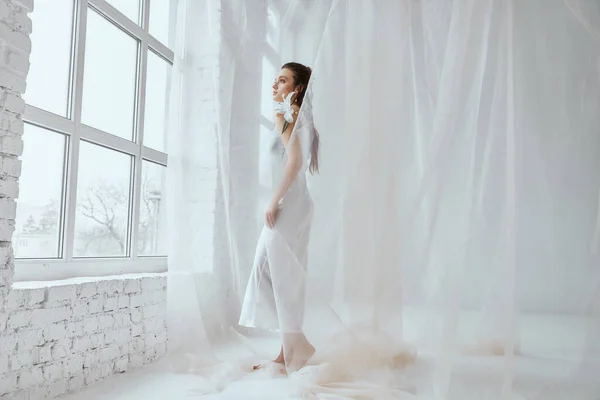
x: 457, y: 211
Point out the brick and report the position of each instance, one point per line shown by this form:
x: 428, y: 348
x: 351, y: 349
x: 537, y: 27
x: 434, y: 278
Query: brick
x: 4, y: 368
x: 18, y: 63
x: 106, y: 321
x: 23, y: 22
x: 26, y: 359
x: 109, y: 353
x: 136, y: 360
x: 15, y: 299
x: 10, y: 166
x: 53, y: 371
x: 45, y: 353
x: 38, y: 392
x: 111, y: 304
x: 151, y: 284
x: 30, y: 339
x: 12, y: 81
x: 19, y: 319
x: 81, y: 344
x: 137, y: 344
x: 90, y: 325
x: 31, y: 377
x: 44, y: 316
x: 55, y: 331
x: 3, y: 320
x: 12, y: 145
x: 9, y: 188
x: 17, y: 40
x: 110, y: 287
x: 152, y: 310
x: 86, y: 290
x: 121, y: 319
x: 132, y: 286
x: 136, y: 315
x: 150, y: 355
x: 4, y: 11
x: 17, y: 126
x: 7, y: 228
x: 60, y: 350
x: 61, y: 294
x: 8, y: 208
x: 137, y: 330
x: 80, y: 310
x: 96, y: 305
x: 34, y: 297
x: 96, y: 340
x: 27, y: 5
x: 13, y: 103
x: 75, y: 383
x: 74, y: 365
x: 161, y: 349
x: 91, y: 358
x: 123, y: 301
x: 111, y: 336
x: 136, y: 300
x: 8, y: 343
x: 8, y: 383
x: 58, y: 388
x: 153, y: 324
x: 124, y: 335
x: 121, y: 364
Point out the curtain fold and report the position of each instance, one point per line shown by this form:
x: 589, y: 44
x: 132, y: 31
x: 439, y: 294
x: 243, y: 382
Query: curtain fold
x: 457, y: 208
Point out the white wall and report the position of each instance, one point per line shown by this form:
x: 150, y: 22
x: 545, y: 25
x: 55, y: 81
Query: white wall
x: 57, y: 337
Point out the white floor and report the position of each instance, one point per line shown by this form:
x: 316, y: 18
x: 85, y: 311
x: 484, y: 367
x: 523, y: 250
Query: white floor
x: 541, y: 364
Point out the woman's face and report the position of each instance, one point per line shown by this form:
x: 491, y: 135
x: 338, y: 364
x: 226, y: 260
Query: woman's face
x: 283, y: 85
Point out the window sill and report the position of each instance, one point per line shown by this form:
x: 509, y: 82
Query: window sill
x: 28, y: 285
x: 27, y: 271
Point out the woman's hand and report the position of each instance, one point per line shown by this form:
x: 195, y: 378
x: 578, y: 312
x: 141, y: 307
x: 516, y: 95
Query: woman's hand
x: 271, y: 214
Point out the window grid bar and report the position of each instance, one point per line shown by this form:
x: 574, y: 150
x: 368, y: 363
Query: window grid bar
x: 154, y: 156
x: 52, y: 122
x: 74, y: 142
x: 133, y: 29
x: 146, y: 16
x: 137, y: 171
x: 48, y: 120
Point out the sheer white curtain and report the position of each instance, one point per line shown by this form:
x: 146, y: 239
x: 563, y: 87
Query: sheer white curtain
x: 457, y: 209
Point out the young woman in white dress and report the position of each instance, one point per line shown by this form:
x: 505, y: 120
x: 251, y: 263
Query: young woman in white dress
x: 275, y: 294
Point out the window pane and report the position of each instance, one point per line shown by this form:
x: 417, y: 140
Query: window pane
x: 131, y: 8
x: 272, y: 27
x: 103, y: 197
x: 269, y: 74
x: 37, y: 233
x: 162, y: 17
x: 152, y: 216
x: 109, y: 77
x: 157, y: 89
x: 48, y: 78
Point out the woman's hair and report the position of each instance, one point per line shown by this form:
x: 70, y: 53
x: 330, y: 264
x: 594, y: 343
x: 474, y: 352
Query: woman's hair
x: 301, y: 74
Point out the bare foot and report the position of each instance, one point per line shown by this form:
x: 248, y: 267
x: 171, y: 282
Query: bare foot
x: 279, y: 360
x: 301, y: 354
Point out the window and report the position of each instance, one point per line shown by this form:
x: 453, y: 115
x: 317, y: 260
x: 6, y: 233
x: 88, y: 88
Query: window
x: 95, y: 140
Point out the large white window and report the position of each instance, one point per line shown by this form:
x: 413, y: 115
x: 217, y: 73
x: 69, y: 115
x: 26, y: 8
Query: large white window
x: 92, y: 185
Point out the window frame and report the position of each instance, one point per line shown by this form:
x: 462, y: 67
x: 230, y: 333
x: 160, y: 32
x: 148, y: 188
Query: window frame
x: 68, y: 266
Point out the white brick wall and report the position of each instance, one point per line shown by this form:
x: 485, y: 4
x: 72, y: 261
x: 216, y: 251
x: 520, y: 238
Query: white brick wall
x: 60, y: 338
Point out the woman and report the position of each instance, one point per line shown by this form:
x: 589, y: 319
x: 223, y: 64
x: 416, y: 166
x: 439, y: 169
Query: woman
x: 276, y: 290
